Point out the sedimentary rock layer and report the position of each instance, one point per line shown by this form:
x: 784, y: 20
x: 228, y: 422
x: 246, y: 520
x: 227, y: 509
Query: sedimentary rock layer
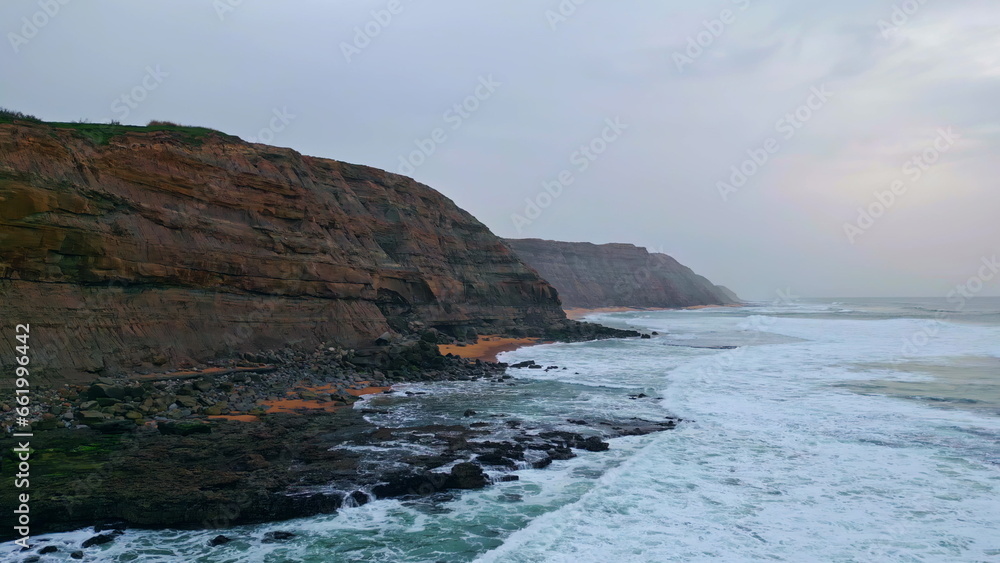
x: 617, y: 275
x: 126, y: 247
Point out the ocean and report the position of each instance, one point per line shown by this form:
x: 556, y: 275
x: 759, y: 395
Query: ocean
x: 828, y: 431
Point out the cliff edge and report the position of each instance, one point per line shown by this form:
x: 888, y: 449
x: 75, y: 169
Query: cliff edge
x: 617, y: 275
x: 150, y: 247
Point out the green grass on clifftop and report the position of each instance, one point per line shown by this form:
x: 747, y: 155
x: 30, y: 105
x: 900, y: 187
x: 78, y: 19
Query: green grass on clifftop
x: 102, y: 133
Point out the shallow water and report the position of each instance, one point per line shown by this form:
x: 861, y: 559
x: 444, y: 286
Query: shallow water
x: 820, y: 438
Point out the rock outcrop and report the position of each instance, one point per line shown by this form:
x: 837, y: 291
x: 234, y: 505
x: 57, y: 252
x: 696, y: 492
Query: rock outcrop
x: 129, y: 247
x: 617, y: 275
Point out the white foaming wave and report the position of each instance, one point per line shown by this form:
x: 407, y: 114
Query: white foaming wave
x: 779, y: 465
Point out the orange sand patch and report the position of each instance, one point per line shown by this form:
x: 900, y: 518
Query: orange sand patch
x: 295, y: 405
x: 368, y: 390
x: 298, y: 405
x: 486, y: 347
x: 236, y: 417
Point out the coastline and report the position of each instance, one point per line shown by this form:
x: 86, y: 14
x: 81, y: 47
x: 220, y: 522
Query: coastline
x: 227, y: 444
x: 487, y: 347
x: 578, y: 313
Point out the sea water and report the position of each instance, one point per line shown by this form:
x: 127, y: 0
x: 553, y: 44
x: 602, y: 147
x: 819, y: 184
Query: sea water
x: 815, y: 431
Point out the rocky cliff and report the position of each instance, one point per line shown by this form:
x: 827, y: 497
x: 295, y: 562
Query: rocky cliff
x: 617, y: 275
x: 129, y: 247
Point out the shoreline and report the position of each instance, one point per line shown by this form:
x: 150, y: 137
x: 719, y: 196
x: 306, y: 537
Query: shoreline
x: 578, y: 313
x: 227, y: 444
x: 487, y: 347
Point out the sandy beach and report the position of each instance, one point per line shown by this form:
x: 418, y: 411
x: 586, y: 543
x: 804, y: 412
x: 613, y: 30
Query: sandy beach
x: 486, y: 347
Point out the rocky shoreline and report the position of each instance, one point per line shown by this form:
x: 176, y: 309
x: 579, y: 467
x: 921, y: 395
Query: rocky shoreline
x: 205, y: 448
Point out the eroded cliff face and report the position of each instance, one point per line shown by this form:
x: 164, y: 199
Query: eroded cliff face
x: 617, y: 275
x: 135, y: 248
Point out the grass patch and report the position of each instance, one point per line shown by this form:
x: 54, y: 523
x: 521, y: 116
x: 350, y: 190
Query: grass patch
x: 10, y: 116
x: 102, y: 133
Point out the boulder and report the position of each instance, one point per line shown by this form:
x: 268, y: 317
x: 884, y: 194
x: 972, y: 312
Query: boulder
x: 467, y: 476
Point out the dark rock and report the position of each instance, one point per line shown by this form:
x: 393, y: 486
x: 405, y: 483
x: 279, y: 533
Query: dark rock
x: 48, y: 549
x: 183, y: 428
x: 106, y: 391
x: 593, y: 444
x: 469, y: 413
x: 100, y: 539
x: 467, y: 476
x: 277, y: 536
x: 561, y: 454
x: 359, y: 498
x: 645, y: 336
x: 114, y: 426
x: 495, y: 459
x: 219, y: 540
x: 76, y: 555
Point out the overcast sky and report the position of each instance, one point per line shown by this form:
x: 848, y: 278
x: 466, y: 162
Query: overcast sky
x: 643, y: 108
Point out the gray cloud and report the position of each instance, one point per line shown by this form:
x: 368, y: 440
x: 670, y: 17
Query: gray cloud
x: 656, y: 185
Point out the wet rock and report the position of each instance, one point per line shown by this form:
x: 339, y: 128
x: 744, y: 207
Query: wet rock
x: 645, y: 337
x: 277, y: 536
x: 76, y: 555
x: 183, y: 428
x: 359, y: 498
x: 469, y: 412
x: 542, y: 464
x: 106, y: 391
x: 48, y: 549
x: 114, y: 426
x: 93, y: 417
x: 187, y: 401
x: 593, y: 444
x: 219, y: 540
x: 100, y: 539
x: 467, y: 476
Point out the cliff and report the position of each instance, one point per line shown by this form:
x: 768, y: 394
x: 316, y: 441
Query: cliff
x: 129, y: 247
x: 617, y: 275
